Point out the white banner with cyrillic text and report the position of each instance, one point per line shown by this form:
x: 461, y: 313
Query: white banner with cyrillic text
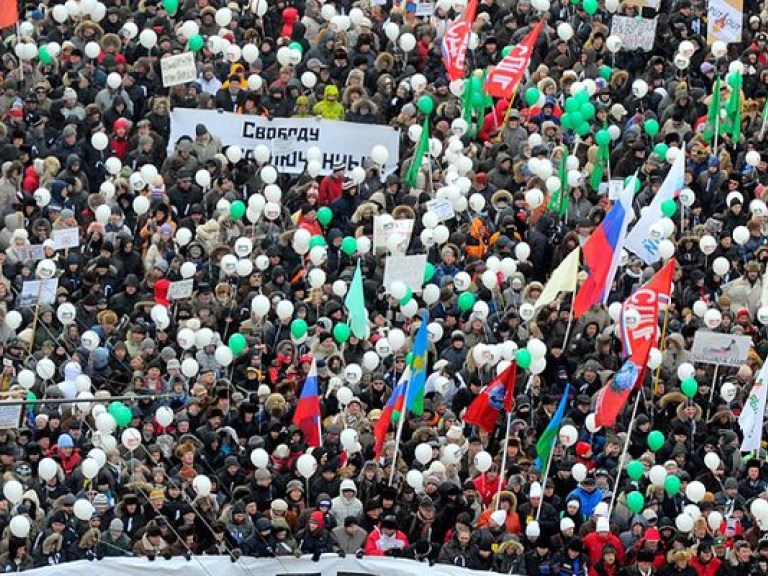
x: 288, y: 139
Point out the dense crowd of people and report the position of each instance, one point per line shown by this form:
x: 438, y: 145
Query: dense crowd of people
x: 212, y: 462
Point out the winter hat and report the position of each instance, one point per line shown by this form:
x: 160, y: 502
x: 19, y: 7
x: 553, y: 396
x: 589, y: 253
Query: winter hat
x: 116, y: 525
x: 500, y: 517
x: 603, y: 525
x: 532, y: 530
x: 65, y: 441
x: 566, y: 524
x: 319, y: 518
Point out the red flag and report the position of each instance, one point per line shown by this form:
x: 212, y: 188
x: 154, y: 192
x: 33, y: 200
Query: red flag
x: 9, y: 13
x: 395, y: 403
x: 485, y: 409
x: 503, y: 80
x: 456, y: 41
x: 639, y: 326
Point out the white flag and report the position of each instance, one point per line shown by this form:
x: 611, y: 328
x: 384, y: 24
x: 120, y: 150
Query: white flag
x: 751, y: 418
x: 564, y: 279
x: 640, y: 240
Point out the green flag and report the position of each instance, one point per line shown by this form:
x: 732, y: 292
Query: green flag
x: 547, y: 439
x: 733, y: 107
x: 355, y: 303
x: 713, y: 113
x: 412, y: 176
x: 602, y: 162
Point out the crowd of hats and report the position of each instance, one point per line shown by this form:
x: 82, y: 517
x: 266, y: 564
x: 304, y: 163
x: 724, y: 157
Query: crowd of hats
x: 163, y: 350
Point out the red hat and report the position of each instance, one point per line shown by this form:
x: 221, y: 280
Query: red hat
x: 318, y: 517
x: 582, y: 449
x: 742, y: 312
x: 16, y: 112
x: 652, y: 535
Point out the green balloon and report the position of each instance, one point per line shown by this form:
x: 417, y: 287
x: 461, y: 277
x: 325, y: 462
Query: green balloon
x: 298, y: 328
x: 523, y: 357
x: 114, y: 408
x: 566, y: 121
x: 407, y: 298
x: 668, y: 208
x: 296, y: 46
x: 655, y: 440
x: 349, y: 245
x: 590, y: 6
x: 577, y: 118
x: 588, y: 110
x: 583, y: 128
x: 690, y: 387
x: 466, y: 301
x: 237, y: 210
x: 572, y: 105
x: 672, y: 485
x: 582, y: 97
x: 171, y: 6
x: 237, y: 343
x: 635, y: 501
x: 324, y: 216
x: 635, y: 469
x: 426, y: 105
x: 632, y: 179
x: 651, y: 127
x: 195, y: 43
x: 606, y: 72
x: 603, y: 137
x: 506, y: 50
x: 44, y: 56
x: 317, y: 240
x: 341, y: 333
x: 532, y: 95
x: 661, y: 150
x: 429, y: 271
x: 123, y: 416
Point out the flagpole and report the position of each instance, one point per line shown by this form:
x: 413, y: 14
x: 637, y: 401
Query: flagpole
x: 500, y: 134
x: 503, y: 470
x: 717, y: 127
x: 623, y: 455
x: 570, y: 324
x: 399, y: 433
x: 662, y: 346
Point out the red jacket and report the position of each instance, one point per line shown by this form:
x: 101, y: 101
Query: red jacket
x: 487, y: 488
x: 494, y: 121
x: 373, y: 544
x: 330, y: 190
x: 594, y: 542
x: 708, y: 569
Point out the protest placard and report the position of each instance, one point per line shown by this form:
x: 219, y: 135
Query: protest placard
x: 10, y: 416
x: 178, y: 69
x: 66, y: 238
x: 406, y: 269
x: 180, y: 289
x: 634, y: 32
x: 33, y: 291
x: 725, y: 19
x: 442, y: 207
x: 385, y: 228
x: 722, y: 349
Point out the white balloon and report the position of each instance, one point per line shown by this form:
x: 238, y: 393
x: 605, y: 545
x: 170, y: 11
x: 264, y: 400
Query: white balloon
x: 721, y: 266
x: 259, y: 458
x: 712, y: 318
x: 99, y: 456
x: 657, y: 475
x: 591, y: 423
x: 565, y: 31
x: 306, y: 465
x: 526, y: 311
x: 579, y: 472
x: 13, y: 319
x: 712, y: 461
x: 522, y: 251
x: 695, y: 491
x: 685, y: 370
x: 407, y: 42
x: 415, y: 479
x: 639, y: 88
x: 483, y: 461
x: 537, y: 348
x: 223, y: 355
x: 714, y: 519
x: 707, y: 244
x: 201, y: 484
x: 164, y: 416
x: 13, y: 491
x: 190, y: 367
x: 148, y: 38
x: 654, y: 358
x: 741, y: 235
x: 83, y: 509
x: 47, y: 469
x: 105, y: 423
x: 684, y: 523
x: 130, y: 439
x: 99, y: 141
x: 46, y: 369
x: 370, y: 361
x: 89, y: 468
x: 568, y: 435
x: 20, y: 526
x: 26, y: 379
x: 719, y: 49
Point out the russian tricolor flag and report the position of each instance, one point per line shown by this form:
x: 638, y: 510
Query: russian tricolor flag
x: 395, y: 403
x: 601, y: 254
x: 307, y: 414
